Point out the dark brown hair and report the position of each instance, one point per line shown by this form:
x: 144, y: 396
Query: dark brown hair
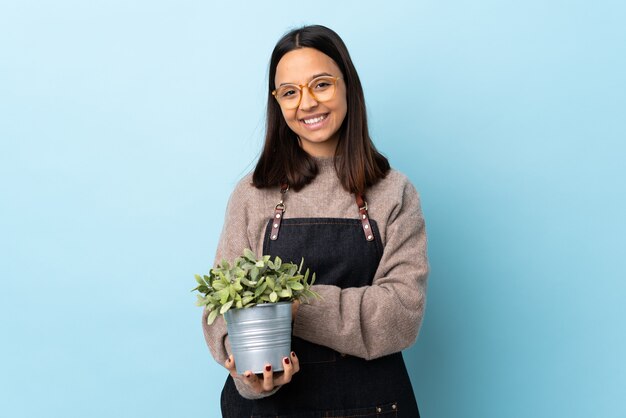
x: 283, y: 160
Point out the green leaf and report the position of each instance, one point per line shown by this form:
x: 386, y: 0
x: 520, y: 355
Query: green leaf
x: 249, y: 255
x: 226, y: 307
x: 296, y: 286
x: 223, y: 295
x: 285, y: 293
x: 273, y: 297
x: 259, y: 290
x: 201, y: 301
x: 211, y: 317
x: 271, y: 283
x: 260, y: 263
x: 254, y: 273
x: 278, y: 262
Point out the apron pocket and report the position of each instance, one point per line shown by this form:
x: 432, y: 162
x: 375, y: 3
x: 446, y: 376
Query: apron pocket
x: 387, y: 410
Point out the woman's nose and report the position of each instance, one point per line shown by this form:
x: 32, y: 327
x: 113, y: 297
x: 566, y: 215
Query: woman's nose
x: 307, y: 101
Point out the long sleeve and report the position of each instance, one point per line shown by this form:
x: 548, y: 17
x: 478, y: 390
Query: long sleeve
x: 233, y: 240
x: 385, y: 317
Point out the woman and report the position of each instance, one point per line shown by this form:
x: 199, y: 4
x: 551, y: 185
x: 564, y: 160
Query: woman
x: 369, y: 255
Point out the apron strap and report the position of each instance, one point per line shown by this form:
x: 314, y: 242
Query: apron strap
x: 365, y: 220
x: 280, y: 209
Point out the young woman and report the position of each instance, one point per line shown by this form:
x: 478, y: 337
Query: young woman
x: 358, y: 225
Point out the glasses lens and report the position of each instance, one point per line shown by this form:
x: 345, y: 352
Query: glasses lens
x: 288, y: 96
x: 323, y: 88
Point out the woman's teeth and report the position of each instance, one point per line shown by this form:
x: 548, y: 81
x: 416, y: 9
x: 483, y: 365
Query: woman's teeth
x: 315, y: 120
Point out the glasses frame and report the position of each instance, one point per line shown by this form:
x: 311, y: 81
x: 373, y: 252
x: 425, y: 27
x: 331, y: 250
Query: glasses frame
x: 301, y: 87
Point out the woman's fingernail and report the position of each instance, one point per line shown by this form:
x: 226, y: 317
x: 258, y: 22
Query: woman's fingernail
x: 293, y: 354
x: 268, y: 368
x: 286, y: 360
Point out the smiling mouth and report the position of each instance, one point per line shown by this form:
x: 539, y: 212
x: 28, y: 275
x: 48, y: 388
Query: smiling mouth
x: 317, y: 119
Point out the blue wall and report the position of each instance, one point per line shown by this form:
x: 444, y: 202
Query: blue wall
x: 124, y: 126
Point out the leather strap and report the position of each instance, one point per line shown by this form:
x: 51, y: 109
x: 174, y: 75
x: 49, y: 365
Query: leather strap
x: 279, y: 211
x: 365, y: 220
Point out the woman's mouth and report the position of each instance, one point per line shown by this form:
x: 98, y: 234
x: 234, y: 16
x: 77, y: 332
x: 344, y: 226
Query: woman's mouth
x: 315, y: 122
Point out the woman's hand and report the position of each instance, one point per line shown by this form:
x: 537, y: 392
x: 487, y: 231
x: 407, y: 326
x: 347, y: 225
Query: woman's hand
x: 270, y: 380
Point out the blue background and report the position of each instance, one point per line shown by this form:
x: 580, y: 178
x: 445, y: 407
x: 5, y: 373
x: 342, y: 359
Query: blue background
x: 124, y: 126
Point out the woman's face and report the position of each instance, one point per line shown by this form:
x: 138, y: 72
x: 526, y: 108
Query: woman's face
x: 316, y: 123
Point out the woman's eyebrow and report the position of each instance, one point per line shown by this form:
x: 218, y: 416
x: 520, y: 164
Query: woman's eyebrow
x: 312, y: 78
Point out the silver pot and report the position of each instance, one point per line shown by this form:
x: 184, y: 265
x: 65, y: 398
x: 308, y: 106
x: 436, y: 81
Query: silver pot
x: 260, y: 335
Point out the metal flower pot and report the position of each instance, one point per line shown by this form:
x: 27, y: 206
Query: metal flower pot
x: 260, y: 335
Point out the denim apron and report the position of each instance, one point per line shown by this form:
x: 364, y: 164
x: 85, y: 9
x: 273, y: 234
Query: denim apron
x: 330, y: 384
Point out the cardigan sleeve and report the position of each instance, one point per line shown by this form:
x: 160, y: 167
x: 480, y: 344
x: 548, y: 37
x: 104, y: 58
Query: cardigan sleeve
x: 233, y: 240
x: 385, y: 317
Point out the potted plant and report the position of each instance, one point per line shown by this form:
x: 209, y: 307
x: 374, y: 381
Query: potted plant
x: 255, y: 297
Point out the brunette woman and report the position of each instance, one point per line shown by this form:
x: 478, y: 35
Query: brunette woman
x: 358, y: 225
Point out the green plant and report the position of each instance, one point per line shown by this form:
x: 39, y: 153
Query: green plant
x: 249, y: 282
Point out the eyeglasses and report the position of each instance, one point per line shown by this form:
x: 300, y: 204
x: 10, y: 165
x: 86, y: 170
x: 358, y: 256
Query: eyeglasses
x: 321, y: 89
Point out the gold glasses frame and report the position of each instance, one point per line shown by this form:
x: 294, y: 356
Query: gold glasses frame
x: 309, y: 87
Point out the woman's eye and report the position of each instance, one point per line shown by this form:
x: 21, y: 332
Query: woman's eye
x: 322, y: 85
x: 287, y: 93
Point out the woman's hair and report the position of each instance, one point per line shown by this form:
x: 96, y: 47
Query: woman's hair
x: 282, y: 160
